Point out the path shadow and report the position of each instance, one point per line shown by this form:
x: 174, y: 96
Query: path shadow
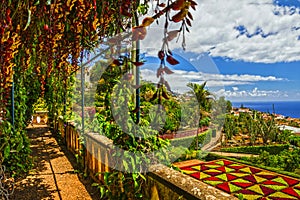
x: 41, y: 181
x: 40, y: 155
x: 34, y: 189
x: 86, y: 181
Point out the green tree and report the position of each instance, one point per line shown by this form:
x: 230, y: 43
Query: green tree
x: 204, y: 98
x: 230, y: 128
x: 267, y: 128
x: 284, y: 136
x: 252, y: 128
x: 222, y: 105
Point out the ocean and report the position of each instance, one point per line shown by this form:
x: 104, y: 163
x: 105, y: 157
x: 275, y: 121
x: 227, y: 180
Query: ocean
x: 285, y: 108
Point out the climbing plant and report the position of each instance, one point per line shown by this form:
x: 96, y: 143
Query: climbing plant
x: 137, y: 146
x: 41, y: 45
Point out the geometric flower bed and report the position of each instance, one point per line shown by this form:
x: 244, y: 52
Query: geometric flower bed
x: 236, y: 178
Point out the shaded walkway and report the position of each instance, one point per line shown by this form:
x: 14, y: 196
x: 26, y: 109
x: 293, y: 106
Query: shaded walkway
x: 53, y: 175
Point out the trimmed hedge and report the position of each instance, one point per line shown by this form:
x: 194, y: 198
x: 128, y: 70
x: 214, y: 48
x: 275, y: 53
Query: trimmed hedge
x: 190, y: 142
x: 272, y: 149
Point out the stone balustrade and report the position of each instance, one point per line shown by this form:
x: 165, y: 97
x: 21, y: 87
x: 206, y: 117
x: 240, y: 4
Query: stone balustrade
x: 163, y: 183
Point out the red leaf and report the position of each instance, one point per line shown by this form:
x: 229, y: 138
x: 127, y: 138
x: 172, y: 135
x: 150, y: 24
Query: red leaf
x: 190, y: 16
x: 138, y: 33
x: 162, y: 81
x: 178, y: 5
x: 161, y: 55
x: 172, y: 35
x: 172, y: 60
x: 162, y: 5
x: 167, y: 70
x: 138, y: 64
x: 135, y: 110
x: 187, y: 29
x: 116, y: 62
x: 178, y: 16
x: 188, y: 22
x: 147, y: 21
x: 125, y: 12
x: 167, y: 86
x: 193, y: 4
x: 154, y: 96
x: 159, y: 72
x: 164, y: 94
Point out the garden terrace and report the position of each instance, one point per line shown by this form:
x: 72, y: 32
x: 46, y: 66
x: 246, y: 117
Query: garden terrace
x: 251, y: 182
x: 195, y: 179
x: 110, y: 114
x: 162, y: 182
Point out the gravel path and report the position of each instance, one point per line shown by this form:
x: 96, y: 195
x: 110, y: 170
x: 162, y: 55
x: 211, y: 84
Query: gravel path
x: 53, y: 175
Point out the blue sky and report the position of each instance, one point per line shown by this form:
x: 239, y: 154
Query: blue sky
x: 287, y: 87
x: 246, y: 50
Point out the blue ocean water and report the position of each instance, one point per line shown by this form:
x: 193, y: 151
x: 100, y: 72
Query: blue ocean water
x: 286, y: 108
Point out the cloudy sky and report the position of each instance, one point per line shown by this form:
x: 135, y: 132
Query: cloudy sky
x: 244, y: 49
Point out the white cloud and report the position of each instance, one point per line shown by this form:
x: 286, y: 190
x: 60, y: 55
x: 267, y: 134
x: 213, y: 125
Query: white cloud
x: 180, y: 78
x: 248, y: 94
x: 214, y: 31
x: 235, y: 88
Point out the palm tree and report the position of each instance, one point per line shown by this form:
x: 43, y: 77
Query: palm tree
x: 204, y: 98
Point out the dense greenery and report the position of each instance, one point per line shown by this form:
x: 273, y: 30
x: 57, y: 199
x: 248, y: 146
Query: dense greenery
x: 294, y: 140
x: 255, y: 127
x: 190, y: 142
x: 287, y: 160
x: 271, y: 149
x: 43, y: 44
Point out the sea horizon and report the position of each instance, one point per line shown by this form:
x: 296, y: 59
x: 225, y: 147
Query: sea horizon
x: 269, y: 100
x: 285, y: 108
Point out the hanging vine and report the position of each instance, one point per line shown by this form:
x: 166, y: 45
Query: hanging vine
x: 40, y: 46
x: 117, y: 112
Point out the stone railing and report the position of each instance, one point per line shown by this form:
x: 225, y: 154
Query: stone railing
x: 163, y: 183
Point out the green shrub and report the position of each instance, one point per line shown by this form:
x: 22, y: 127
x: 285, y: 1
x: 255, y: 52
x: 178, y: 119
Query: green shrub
x: 286, y: 160
x: 271, y: 149
x: 191, y: 141
x: 294, y: 140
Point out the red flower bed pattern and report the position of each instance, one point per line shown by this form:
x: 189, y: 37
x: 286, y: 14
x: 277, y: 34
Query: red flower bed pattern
x: 236, y: 178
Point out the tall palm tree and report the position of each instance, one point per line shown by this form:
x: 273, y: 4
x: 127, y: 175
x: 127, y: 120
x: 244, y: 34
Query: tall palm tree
x: 204, y: 98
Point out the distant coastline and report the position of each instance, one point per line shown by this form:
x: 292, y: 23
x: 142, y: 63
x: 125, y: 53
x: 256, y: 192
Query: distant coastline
x: 285, y: 108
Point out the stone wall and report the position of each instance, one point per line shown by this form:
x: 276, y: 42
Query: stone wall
x: 163, y: 183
